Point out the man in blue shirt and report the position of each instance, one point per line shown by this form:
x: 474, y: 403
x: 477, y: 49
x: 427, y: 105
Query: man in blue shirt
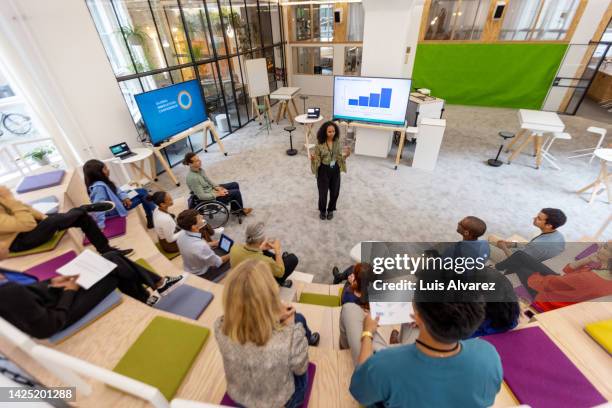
x: 470, y: 228
x: 439, y: 370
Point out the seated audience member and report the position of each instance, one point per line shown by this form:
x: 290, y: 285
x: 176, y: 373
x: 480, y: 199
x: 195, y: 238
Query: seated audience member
x: 470, y: 228
x: 42, y: 309
x: 586, y: 279
x: 548, y: 244
x: 281, y: 263
x: 101, y: 188
x: 198, y: 255
x: 205, y: 189
x: 263, y: 342
x: 23, y: 228
x: 165, y: 223
x: 439, y: 370
x: 353, y: 291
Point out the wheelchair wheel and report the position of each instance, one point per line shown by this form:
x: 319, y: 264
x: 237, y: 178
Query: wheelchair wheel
x: 215, y: 213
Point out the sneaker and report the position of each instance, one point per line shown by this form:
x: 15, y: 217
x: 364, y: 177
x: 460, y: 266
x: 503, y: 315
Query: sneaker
x: 100, y: 206
x: 170, y: 283
x: 330, y: 215
x: 322, y: 215
x: 336, y: 273
x: 152, y: 300
x: 314, y: 339
x: 287, y: 284
x: 124, y: 252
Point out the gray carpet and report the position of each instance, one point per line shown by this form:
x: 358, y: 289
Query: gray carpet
x: 378, y: 203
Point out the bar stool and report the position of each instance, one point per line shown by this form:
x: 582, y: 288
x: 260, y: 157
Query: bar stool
x: 496, y: 162
x: 291, y: 151
x: 548, y: 143
x: 304, y: 98
x: 603, y: 178
x: 591, y: 151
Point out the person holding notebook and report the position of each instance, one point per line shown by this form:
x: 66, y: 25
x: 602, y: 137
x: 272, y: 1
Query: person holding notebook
x: 42, y: 309
x: 23, y: 228
x: 263, y: 342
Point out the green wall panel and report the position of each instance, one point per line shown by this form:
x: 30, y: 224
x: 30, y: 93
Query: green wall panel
x: 504, y: 75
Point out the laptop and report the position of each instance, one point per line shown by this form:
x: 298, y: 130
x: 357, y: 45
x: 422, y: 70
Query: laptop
x: 313, y: 113
x: 121, y: 151
x: 225, y: 243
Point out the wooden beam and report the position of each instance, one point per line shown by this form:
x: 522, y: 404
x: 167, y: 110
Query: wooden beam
x: 424, y: 20
x: 492, y: 28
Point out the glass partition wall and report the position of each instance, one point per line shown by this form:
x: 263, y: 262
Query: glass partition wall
x: 155, y: 43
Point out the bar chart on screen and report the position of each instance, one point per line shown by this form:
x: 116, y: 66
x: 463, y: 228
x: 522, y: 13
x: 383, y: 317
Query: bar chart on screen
x: 382, y: 100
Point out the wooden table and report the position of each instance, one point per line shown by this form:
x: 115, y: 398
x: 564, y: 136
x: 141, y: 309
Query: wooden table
x: 566, y: 327
x: 285, y: 95
x: 308, y: 123
x: 533, y: 125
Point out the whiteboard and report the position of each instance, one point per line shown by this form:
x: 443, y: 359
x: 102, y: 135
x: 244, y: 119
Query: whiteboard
x: 257, y: 77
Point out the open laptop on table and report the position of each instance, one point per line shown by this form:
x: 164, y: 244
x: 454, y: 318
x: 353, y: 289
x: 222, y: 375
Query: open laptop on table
x: 122, y: 151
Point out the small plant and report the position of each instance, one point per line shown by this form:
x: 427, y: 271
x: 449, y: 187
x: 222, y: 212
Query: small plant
x: 40, y: 154
x: 134, y: 36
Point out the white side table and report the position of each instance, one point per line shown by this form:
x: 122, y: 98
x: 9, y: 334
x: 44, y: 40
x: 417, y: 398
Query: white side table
x: 138, y: 165
x: 308, y: 123
x: 603, y: 178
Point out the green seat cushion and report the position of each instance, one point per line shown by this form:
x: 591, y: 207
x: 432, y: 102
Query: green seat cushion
x: 163, y: 354
x: 145, y: 264
x: 319, y: 299
x: 169, y: 255
x: 46, y: 247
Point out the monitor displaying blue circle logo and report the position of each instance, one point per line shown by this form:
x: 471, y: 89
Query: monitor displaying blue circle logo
x: 184, y: 100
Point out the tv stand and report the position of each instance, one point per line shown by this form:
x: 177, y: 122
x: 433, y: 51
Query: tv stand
x: 204, y: 127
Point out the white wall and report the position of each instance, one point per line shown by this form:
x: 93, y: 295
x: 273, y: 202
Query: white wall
x: 593, y: 13
x: 63, y: 46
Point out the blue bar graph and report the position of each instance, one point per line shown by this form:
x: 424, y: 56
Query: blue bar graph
x: 385, y: 98
x: 374, y: 100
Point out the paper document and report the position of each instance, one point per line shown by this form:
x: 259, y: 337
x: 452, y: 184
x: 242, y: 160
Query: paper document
x: 131, y: 194
x: 45, y: 207
x: 391, y: 312
x: 90, y: 267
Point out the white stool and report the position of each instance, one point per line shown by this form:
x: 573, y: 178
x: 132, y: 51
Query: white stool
x: 548, y: 143
x: 603, y: 178
x: 591, y: 152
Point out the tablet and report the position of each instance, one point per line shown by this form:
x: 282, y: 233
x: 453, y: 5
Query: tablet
x: 225, y: 243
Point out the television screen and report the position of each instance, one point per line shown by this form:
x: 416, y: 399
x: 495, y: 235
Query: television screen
x: 170, y: 110
x: 367, y: 99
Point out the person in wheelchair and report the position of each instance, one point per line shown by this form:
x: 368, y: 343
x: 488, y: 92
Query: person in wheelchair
x: 201, y: 258
x: 206, y: 190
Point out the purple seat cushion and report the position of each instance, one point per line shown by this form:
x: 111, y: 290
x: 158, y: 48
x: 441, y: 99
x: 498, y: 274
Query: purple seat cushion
x: 48, y: 269
x: 38, y: 181
x: 590, y: 250
x: 115, y: 227
x: 227, y: 401
x: 539, y: 373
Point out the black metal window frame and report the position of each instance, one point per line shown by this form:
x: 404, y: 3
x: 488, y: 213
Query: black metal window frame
x: 215, y: 59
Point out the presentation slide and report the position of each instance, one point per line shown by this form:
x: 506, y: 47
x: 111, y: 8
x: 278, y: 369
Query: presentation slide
x: 170, y: 110
x: 379, y: 100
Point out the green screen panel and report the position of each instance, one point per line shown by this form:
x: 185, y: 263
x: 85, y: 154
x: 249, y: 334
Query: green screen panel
x: 503, y: 75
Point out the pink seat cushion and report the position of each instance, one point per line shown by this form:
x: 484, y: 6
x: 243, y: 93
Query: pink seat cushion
x: 115, y: 226
x: 48, y: 269
x: 227, y: 401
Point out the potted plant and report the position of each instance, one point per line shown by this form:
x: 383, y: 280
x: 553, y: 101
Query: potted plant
x: 134, y: 36
x: 40, y: 155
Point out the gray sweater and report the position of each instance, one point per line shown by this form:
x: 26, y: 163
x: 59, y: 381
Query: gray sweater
x: 262, y: 376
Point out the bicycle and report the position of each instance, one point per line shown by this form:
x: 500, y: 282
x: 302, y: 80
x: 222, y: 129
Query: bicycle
x: 16, y: 123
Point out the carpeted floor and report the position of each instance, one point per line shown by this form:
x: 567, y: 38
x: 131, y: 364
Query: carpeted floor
x: 378, y: 203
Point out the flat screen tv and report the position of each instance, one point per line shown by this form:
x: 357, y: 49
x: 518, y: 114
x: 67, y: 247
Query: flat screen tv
x: 369, y: 99
x: 171, y: 110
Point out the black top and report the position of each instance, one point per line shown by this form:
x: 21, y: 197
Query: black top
x: 36, y: 309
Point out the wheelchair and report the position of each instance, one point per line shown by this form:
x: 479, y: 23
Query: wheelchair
x: 215, y: 213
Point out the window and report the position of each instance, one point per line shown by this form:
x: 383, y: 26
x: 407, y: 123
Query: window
x: 155, y: 43
x: 313, y: 60
x: 538, y: 19
x: 352, y: 61
x: 316, y: 23
x: 456, y: 19
x: 355, y: 22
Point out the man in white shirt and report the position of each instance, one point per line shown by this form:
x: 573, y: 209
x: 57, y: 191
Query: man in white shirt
x: 198, y: 255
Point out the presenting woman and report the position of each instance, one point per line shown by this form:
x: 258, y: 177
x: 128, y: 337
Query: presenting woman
x: 327, y: 161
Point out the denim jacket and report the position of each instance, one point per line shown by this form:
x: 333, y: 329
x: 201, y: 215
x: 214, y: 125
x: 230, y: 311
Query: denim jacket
x: 100, y: 191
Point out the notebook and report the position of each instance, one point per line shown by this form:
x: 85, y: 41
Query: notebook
x: 601, y: 332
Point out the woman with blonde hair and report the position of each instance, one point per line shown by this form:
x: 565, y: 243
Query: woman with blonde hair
x: 264, y: 349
